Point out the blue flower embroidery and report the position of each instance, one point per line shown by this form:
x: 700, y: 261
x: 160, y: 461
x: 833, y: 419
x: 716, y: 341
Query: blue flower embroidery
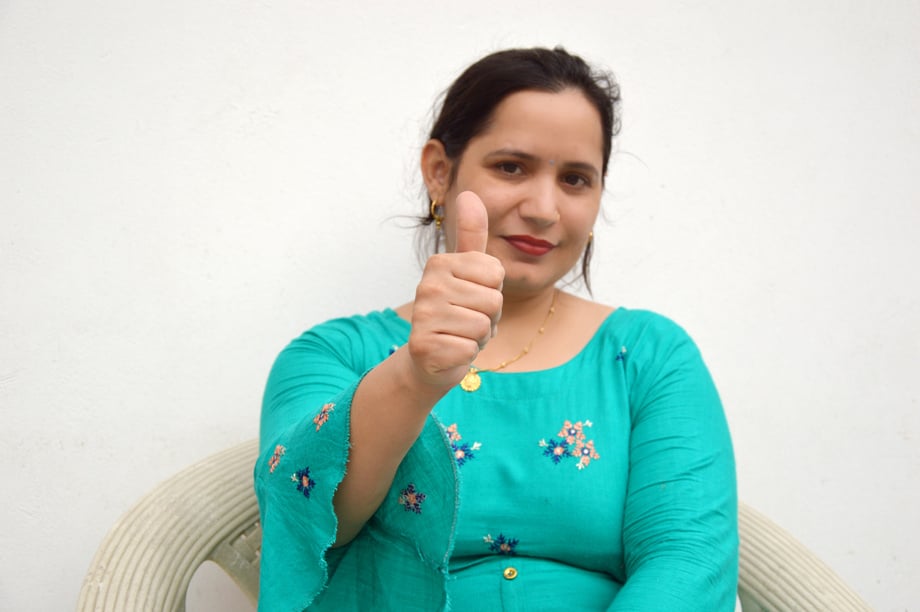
x: 501, y: 544
x: 411, y: 499
x: 556, y: 451
x: 462, y: 452
x: 305, y: 484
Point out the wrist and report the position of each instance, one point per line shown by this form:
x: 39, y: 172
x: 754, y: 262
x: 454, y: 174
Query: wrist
x: 413, y: 382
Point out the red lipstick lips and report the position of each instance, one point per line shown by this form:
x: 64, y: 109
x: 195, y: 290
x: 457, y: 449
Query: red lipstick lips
x: 530, y: 245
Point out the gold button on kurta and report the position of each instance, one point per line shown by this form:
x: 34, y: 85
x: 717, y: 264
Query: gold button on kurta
x: 510, y: 573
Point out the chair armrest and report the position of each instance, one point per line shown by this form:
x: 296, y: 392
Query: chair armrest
x: 206, y: 512
x: 776, y: 572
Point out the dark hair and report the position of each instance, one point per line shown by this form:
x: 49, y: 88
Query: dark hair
x: 470, y: 101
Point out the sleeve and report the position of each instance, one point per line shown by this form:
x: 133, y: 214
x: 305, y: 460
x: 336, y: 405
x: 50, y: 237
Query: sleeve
x: 680, y: 531
x: 303, y: 448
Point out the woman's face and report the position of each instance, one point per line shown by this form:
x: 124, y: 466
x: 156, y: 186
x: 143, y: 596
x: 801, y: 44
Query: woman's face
x: 537, y: 168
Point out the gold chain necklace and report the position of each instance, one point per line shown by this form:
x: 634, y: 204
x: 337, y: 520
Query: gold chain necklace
x: 472, y: 382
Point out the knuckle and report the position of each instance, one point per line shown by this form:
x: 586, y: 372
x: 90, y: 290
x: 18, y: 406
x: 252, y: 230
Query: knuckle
x: 483, y: 328
x: 496, y: 273
x: 437, y: 263
x: 428, y: 289
x: 495, y: 302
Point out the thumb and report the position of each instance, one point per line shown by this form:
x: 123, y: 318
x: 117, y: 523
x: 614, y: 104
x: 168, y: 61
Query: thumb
x: 472, y: 223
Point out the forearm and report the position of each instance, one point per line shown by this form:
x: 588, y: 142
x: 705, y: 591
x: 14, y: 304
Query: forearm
x: 676, y: 583
x: 388, y: 412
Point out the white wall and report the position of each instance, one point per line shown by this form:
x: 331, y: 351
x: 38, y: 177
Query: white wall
x: 185, y: 185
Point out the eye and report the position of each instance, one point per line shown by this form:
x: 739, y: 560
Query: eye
x: 576, y: 180
x: 511, y: 168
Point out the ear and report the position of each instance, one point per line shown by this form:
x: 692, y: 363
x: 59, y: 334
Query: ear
x: 436, y: 168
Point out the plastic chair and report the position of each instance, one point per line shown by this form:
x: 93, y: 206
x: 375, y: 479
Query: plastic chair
x: 208, y: 512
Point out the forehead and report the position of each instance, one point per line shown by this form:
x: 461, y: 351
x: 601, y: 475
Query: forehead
x: 561, y: 124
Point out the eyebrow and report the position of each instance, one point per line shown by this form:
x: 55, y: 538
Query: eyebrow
x: 576, y: 165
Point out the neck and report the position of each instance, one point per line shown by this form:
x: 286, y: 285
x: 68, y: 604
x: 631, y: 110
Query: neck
x: 526, y: 307
x: 519, y: 330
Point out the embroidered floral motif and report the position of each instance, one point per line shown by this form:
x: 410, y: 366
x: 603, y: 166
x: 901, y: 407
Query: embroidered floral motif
x: 573, y: 443
x: 323, y: 416
x: 587, y: 453
x: 411, y: 499
x: 501, y: 545
x: 275, y: 459
x: 622, y: 354
x: 556, y: 451
x: 462, y: 452
x: 305, y: 484
x: 573, y: 431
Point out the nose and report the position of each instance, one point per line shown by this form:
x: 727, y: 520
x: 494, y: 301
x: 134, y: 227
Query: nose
x: 539, y: 205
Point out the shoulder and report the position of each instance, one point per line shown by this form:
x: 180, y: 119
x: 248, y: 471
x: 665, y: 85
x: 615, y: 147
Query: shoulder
x: 382, y: 323
x: 609, y: 328
x: 351, y: 339
x: 647, y: 325
x: 620, y: 320
x: 648, y: 338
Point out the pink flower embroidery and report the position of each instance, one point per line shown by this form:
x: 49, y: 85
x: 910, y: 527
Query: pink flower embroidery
x: 573, y: 432
x: 452, y: 433
x: 323, y: 416
x: 275, y: 459
x: 585, y: 454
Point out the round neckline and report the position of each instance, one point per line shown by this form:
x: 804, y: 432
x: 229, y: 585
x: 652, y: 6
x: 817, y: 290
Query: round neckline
x: 607, y: 321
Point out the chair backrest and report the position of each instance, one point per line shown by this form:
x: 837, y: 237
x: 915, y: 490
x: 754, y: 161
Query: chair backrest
x: 208, y: 512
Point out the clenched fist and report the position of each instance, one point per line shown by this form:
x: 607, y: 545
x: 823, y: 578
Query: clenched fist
x: 458, y: 301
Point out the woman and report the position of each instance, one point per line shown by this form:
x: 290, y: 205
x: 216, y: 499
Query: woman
x: 499, y: 443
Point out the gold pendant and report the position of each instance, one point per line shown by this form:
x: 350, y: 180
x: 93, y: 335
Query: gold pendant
x: 471, y: 381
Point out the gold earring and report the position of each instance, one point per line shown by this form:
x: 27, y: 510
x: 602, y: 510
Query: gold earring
x: 437, y: 213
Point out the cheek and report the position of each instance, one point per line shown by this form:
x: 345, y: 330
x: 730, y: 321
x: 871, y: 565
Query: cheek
x: 581, y: 223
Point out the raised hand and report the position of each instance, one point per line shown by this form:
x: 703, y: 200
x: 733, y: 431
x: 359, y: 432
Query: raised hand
x: 472, y: 224
x: 458, y: 300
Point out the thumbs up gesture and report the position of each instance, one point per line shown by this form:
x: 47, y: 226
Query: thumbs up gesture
x: 471, y: 225
x: 458, y: 300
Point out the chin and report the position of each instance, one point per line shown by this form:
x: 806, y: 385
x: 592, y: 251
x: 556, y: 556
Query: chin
x: 525, y: 284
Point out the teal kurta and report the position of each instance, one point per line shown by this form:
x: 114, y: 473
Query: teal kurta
x: 605, y: 483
